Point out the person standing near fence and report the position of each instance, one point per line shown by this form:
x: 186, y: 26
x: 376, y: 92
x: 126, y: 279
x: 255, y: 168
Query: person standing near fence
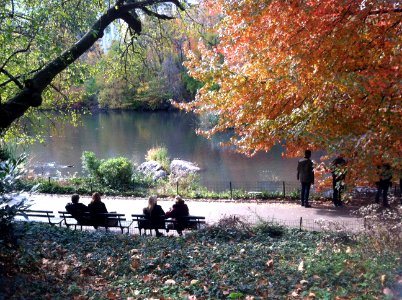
x: 305, y: 173
x: 338, y: 170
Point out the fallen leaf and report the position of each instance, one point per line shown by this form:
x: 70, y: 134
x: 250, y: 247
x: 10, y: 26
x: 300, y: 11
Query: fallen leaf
x: 194, y: 281
x: 270, y: 263
x: 301, y: 266
x: 170, y: 281
x: 382, y: 278
x: 388, y: 292
x: 311, y: 296
x: 135, y: 263
x: 303, y: 281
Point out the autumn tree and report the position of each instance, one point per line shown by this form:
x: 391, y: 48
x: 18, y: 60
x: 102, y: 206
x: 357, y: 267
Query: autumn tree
x: 310, y: 74
x: 33, y: 38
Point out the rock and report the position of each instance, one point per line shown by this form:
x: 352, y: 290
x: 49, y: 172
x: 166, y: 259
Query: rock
x: 180, y: 168
x: 152, y: 168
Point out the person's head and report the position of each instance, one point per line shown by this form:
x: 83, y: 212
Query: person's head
x: 152, y: 200
x: 179, y: 199
x: 307, y: 153
x: 75, y: 198
x: 96, y: 197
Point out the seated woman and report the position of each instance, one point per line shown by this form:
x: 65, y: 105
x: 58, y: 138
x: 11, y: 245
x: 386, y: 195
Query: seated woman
x: 78, y: 210
x: 155, y: 215
x: 177, y: 212
x: 97, y: 207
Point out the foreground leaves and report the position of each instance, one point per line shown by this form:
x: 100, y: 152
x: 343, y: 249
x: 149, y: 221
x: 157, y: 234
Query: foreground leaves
x: 216, y: 263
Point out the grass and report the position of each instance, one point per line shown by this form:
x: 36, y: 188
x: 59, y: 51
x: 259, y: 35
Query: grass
x: 231, y: 260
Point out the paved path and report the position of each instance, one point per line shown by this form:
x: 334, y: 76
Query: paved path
x: 285, y: 213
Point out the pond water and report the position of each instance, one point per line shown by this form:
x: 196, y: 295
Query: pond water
x: 131, y: 134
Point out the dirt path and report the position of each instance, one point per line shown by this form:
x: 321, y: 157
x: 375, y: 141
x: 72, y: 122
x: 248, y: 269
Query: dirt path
x: 284, y: 213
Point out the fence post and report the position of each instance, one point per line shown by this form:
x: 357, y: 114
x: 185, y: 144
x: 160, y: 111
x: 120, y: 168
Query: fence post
x: 231, y: 190
x: 90, y: 184
x: 177, y: 187
x: 49, y: 179
x: 301, y: 222
x: 284, y: 189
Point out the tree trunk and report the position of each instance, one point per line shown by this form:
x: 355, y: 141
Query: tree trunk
x: 31, y: 95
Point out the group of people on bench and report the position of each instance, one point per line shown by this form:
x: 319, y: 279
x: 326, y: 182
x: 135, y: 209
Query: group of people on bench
x: 87, y: 215
x: 154, y: 214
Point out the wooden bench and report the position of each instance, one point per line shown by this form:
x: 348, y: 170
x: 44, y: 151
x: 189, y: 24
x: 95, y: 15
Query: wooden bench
x: 39, y: 216
x: 192, y: 223
x: 111, y: 220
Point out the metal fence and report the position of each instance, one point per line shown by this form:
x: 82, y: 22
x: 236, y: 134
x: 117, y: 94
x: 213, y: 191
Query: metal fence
x: 279, y: 187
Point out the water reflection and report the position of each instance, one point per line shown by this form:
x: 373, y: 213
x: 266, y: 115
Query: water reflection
x: 131, y: 134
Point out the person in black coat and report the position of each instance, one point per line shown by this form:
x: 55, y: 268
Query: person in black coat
x: 177, y: 212
x: 155, y: 215
x: 305, y: 173
x: 78, y: 210
x: 97, y: 207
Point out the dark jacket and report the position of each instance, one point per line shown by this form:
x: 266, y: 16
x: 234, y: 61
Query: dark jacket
x: 179, y: 211
x: 156, y: 217
x: 76, y: 208
x: 97, y: 208
x: 305, y: 172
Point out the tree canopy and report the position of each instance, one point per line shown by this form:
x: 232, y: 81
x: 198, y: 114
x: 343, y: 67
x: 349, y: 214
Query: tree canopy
x: 35, y: 62
x: 311, y: 74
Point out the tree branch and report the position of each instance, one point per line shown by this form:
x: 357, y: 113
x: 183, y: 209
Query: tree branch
x: 12, y: 78
x: 31, y: 94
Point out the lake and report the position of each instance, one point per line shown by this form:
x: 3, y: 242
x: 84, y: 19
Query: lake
x: 131, y: 134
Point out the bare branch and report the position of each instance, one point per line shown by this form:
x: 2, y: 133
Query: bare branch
x: 60, y: 92
x: 154, y: 14
x: 12, y: 78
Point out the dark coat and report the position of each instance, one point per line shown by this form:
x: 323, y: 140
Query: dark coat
x: 156, y: 217
x: 77, y: 210
x: 97, y: 208
x: 177, y: 213
x: 305, y: 172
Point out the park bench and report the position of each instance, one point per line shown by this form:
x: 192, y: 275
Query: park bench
x: 46, y: 216
x: 110, y: 220
x: 192, y: 223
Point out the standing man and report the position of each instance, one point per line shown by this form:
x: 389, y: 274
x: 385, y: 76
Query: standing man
x: 305, y: 174
x: 338, y: 169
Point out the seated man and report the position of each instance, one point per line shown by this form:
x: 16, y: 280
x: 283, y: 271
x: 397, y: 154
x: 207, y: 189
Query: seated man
x: 78, y: 210
x: 177, y: 212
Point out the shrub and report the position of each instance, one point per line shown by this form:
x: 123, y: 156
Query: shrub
x: 159, y: 154
x: 10, y: 201
x: 116, y: 172
x: 90, y: 163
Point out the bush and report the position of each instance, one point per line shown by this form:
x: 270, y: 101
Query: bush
x: 116, y: 172
x: 10, y: 201
x: 90, y: 163
x: 159, y: 154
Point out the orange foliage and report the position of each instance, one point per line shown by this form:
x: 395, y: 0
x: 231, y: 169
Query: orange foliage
x: 315, y: 74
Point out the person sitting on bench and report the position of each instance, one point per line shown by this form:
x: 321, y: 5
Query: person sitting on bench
x: 97, y: 207
x: 155, y: 215
x: 177, y: 212
x: 77, y: 210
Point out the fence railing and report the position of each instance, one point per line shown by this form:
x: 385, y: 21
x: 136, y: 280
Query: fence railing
x: 281, y: 187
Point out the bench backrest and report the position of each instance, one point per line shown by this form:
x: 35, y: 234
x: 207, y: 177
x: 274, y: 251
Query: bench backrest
x: 113, y: 219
